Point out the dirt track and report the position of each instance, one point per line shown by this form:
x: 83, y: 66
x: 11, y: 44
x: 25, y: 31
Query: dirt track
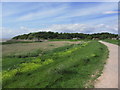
x: 109, y: 78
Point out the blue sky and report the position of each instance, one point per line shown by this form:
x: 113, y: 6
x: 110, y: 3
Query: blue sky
x: 84, y: 17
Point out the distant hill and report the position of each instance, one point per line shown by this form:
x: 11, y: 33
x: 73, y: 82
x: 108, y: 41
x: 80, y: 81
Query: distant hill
x: 4, y: 40
x: 55, y: 35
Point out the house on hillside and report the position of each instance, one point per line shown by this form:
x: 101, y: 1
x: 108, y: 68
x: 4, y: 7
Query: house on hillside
x: 113, y: 38
x: 76, y: 38
x: 95, y: 39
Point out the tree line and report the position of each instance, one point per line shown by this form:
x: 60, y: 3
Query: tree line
x: 56, y: 35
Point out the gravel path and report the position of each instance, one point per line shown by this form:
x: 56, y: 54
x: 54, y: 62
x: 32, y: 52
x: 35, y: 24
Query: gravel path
x: 109, y: 78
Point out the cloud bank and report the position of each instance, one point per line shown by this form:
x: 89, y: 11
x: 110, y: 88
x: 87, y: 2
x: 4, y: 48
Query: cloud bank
x: 64, y: 28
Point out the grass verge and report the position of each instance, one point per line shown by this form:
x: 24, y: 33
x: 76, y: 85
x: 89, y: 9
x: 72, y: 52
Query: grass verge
x: 117, y: 42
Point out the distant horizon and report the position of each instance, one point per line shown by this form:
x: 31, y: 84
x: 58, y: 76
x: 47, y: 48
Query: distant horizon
x: 68, y: 17
x: 8, y: 38
x: 49, y: 31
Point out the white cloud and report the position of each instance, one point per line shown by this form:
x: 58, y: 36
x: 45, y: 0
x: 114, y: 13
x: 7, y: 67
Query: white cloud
x: 83, y: 28
x: 23, y: 28
x: 68, y: 28
x: 96, y: 10
x: 111, y: 12
x: 9, y: 33
x: 42, y: 14
x: 9, y: 9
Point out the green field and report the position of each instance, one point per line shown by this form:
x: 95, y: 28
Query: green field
x: 113, y: 41
x: 56, y: 64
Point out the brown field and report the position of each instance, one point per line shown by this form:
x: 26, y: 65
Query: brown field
x: 20, y: 48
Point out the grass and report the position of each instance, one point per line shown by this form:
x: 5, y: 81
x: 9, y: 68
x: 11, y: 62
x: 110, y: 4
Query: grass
x: 14, y: 54
x: 117, y: 42
x: 17, y: 42
x: 31, y: 49
x: 13, y: 42
x: 65, y: 67
x: 70, y: 40
x: 11, y: 63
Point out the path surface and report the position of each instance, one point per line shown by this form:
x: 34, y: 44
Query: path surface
x: 109, y: 78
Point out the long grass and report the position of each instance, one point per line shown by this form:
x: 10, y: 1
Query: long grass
x: 13, y: 42
x: 70, y: 40
x: 74, y: 66
x: 117, y: 42
x: 31, y: 49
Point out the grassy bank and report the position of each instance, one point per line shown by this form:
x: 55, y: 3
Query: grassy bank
x: 72, y: 66
x: 117, y: 42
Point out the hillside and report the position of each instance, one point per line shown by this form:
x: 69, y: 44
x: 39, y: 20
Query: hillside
x: 55, y: 35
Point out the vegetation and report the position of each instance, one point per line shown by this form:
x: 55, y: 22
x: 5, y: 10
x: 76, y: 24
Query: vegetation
x: 55, y: 35
x: 31, y: 49
x: 13, y: 54
x: 12, y: 42
x: 113, y: 41
x: 71, y: 66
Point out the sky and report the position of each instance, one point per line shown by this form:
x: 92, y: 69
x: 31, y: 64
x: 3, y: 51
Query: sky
x: 81, y: 17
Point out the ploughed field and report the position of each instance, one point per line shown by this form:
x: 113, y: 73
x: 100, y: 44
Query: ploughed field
x: 53, y: 64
